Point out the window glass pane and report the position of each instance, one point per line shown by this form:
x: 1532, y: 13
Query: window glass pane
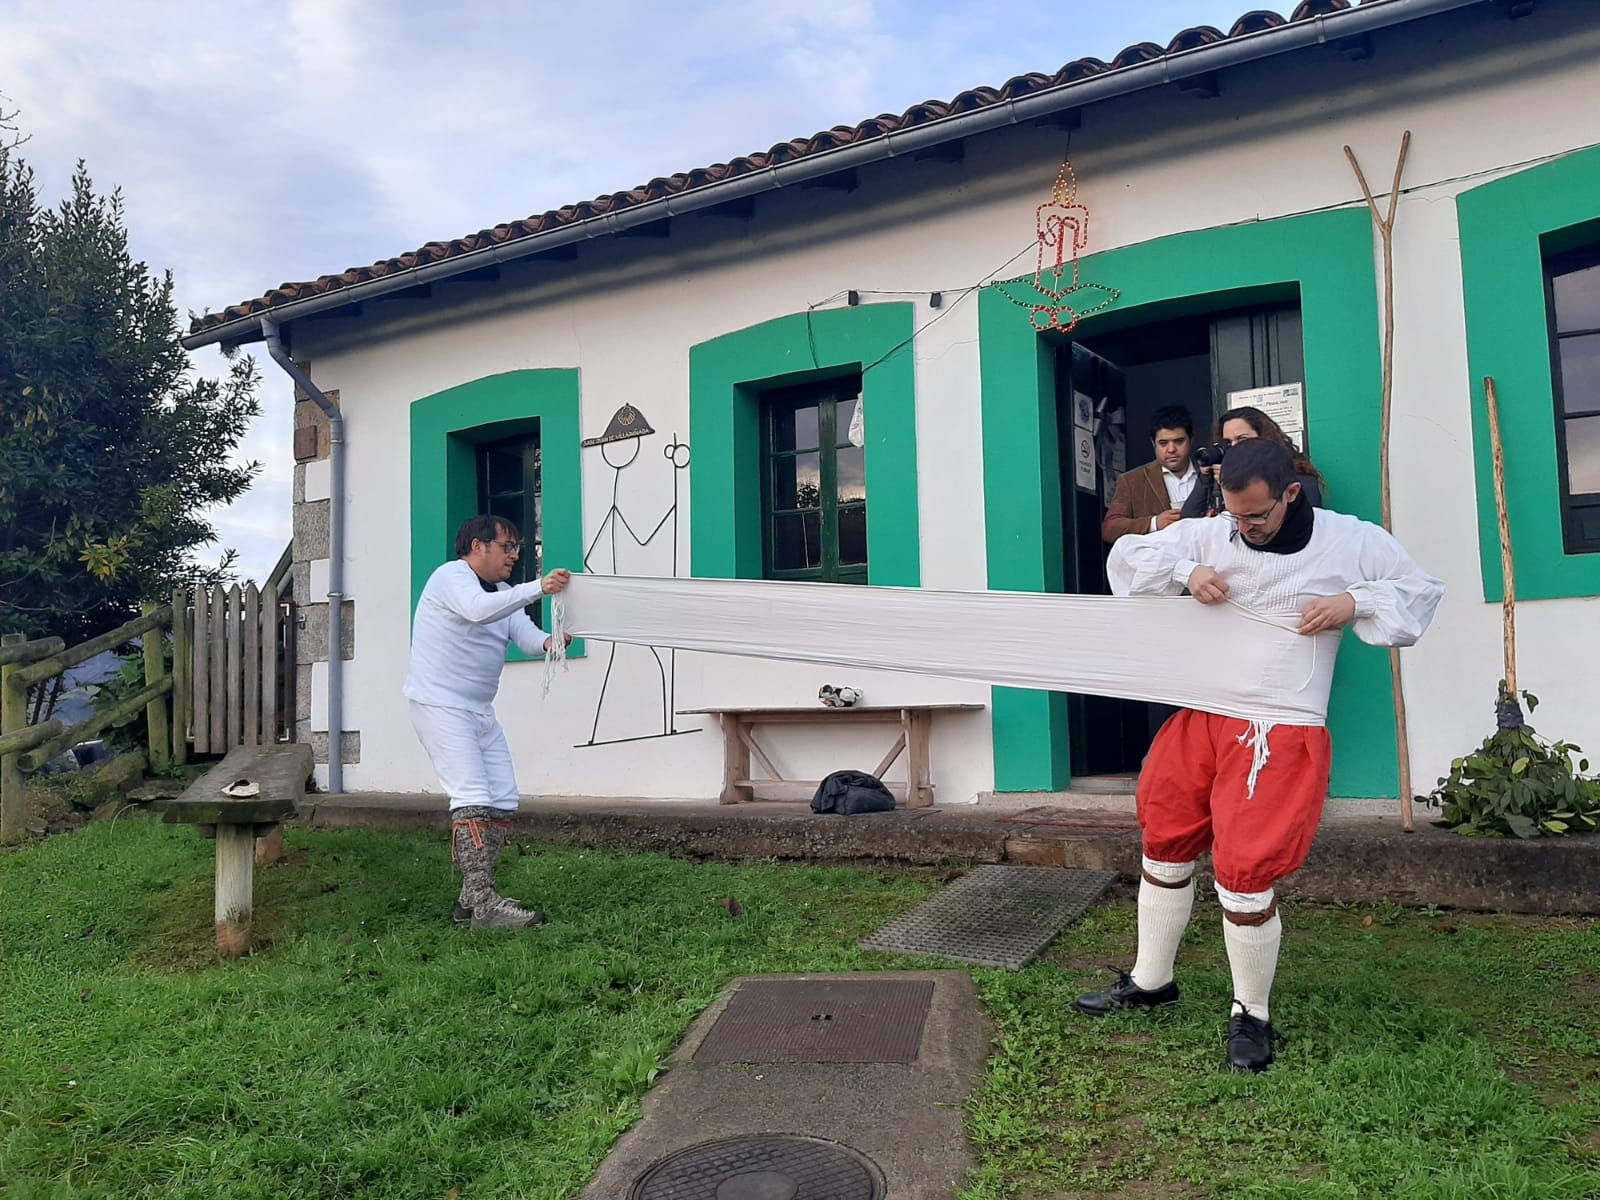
x: 505, y: 469
x: 794, y: 428
x: 1583, y: 455
x: 853, y: 534
x: 1580, y: 373
x: 797, y: 541
x: 1577, y: 296
x: 852, y: 472
x: 845, y: 414
x: 797, y: 481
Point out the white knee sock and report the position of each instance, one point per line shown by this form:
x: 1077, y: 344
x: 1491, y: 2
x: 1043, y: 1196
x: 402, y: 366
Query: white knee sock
x: 1163, y: 916
x: 1253, y: 955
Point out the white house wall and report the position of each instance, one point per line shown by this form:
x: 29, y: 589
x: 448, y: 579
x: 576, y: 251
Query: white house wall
x: 1479, y: 96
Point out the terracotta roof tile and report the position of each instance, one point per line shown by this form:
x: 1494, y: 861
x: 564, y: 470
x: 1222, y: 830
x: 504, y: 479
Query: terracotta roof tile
x: 828, y: 139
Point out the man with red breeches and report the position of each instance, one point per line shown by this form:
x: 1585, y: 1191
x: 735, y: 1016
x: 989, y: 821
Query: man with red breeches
x: 1250, y: 786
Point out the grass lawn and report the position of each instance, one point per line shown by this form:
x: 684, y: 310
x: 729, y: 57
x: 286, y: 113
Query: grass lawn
x: 372, y: 1050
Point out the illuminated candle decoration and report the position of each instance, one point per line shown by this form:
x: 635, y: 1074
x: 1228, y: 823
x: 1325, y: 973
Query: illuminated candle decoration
x: 1059, y: 298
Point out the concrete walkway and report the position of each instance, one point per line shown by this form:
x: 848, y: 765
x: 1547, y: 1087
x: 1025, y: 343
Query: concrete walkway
x: 1355, y: 860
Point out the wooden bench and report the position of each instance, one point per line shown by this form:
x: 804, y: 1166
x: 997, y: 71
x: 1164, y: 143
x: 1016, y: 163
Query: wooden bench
x: 739, y: 745
x: 280, y: 773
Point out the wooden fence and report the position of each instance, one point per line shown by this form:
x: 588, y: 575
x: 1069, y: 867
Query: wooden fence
x: 232, y: 684
x: 235, y: 653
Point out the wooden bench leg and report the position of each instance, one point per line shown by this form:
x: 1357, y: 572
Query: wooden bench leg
x: 735, y: 761
x: 919, y: 783
x: 236, y: 847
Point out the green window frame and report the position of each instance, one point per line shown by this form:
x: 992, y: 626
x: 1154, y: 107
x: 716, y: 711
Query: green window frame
x: 447, y: 429
x: 1572, y: 292
x: 813, y: 484
x: 508, y: 487
x: 728, y: 376
x: 1508, y: 228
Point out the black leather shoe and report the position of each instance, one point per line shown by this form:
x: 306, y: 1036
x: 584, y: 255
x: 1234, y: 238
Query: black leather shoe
x: 1125, y: 993
x: 1250, y: 1043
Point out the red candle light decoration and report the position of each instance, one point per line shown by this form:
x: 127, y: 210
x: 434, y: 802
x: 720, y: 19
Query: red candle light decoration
x: 1062, y: 229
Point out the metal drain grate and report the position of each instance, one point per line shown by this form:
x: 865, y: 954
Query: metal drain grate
x: 820, y: 1021
x: 762, y: 1168
x: 994, y: 916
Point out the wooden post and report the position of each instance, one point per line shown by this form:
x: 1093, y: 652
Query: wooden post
x: 182, y: 676
x: 13, y: 716
x: 158, y: 735
x: 252, y: 665
x: 919, y: 784
x: 269, y: 665
x: 735, y: 762
x: 235, y: 668
x: 236, y: 850
x: 1385, y: 226
x: 1508, y: 601
x: 219, y: 671
x: 200, y: 706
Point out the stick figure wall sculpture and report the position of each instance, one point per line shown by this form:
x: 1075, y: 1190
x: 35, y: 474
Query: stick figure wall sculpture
x: 629, y: 425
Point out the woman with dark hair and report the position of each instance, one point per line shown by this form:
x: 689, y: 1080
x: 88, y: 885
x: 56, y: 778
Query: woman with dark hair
x: 1240, y: 424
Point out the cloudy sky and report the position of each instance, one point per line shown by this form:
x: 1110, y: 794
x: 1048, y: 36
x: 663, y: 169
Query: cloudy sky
x: 261, y: 143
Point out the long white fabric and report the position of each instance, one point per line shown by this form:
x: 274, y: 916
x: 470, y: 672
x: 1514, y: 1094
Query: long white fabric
x: 1222, y: 659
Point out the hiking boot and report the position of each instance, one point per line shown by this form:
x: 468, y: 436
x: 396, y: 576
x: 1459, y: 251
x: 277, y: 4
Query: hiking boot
x: 1125, y: 993
x: 1249, y: 1043
x: 500, y: 913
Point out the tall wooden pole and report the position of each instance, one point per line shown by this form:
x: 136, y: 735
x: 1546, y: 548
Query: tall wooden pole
x: 1385, y: 224
x: 1508, y: 602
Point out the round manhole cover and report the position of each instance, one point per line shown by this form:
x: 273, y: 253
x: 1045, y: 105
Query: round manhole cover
x: 762, y: 1168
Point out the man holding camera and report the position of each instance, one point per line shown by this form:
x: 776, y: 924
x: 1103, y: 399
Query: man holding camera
x: 1247, y: 787
x: 1151, y: 497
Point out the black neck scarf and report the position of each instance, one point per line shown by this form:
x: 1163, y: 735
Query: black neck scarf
x: 1294, y: 534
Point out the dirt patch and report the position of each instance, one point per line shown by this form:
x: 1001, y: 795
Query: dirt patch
x: 182, y: 938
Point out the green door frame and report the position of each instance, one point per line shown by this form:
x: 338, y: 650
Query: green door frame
x: 1328, y: 258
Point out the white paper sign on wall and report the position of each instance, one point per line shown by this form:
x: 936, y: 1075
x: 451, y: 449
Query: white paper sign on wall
x: 1083, y: 456
x: 1285, y: 403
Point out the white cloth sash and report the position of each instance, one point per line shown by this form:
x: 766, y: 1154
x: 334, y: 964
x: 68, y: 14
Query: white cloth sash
x: 1216, y: 658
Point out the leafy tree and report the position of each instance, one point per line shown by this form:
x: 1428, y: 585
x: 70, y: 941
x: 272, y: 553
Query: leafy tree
x: 111, y: 451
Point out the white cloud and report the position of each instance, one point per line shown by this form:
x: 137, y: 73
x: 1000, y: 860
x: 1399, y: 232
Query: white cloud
x: 257, y: 145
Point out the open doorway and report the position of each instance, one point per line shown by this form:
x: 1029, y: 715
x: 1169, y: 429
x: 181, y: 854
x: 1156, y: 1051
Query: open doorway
x: 1109, y: 385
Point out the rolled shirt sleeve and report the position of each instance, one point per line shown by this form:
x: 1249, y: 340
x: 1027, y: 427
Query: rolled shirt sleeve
x: 1396, y: 599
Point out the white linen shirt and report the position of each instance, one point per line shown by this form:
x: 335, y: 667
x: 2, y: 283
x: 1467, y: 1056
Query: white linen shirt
x: 460, y: 634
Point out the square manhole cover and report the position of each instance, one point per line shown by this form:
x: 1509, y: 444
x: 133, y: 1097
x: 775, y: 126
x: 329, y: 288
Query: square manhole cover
x: 820, y: 1021
x: 994, y: 916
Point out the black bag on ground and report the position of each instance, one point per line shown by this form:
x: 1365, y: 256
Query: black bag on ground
x: 851, y: 792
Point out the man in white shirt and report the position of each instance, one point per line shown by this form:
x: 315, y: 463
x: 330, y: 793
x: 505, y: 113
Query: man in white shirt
x: 466, y: 618
x: 1149, y: 498
x: 1248, y: 785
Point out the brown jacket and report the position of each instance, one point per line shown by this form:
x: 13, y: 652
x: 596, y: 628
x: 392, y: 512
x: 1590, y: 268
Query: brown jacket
x: 1140, y: 495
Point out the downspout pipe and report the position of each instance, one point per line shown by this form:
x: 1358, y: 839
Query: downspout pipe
x: 280, y: 355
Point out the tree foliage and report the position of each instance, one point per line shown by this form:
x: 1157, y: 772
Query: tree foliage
x: 111, y: 450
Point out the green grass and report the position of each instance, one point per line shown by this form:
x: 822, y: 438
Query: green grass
x: 1425, y: 1055
x: 369, y: 1049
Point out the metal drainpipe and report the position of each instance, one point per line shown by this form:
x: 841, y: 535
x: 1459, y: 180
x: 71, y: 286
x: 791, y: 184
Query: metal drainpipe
x: 269, y: 331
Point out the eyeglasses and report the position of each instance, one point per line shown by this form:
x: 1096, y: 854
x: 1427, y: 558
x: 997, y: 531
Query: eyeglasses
x: 1255, y: 522
x: 514, y: 549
